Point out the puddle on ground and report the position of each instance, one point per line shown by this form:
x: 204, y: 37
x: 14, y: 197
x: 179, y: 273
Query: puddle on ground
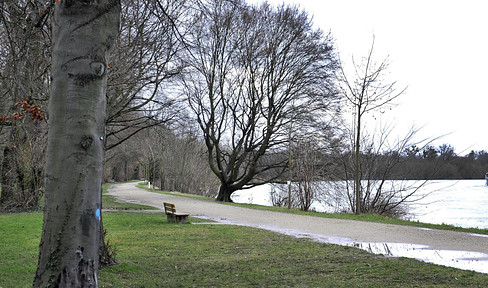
x: 133, y: 201
x: 465, y: 260
x: 478, y: 235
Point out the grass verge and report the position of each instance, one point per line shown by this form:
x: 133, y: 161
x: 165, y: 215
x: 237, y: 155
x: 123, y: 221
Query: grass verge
x: 154, y: 253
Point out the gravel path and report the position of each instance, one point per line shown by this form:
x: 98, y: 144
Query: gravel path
x: 336, y: 231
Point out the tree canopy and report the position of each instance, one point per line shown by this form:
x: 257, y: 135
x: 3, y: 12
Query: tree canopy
x: 251, y: 70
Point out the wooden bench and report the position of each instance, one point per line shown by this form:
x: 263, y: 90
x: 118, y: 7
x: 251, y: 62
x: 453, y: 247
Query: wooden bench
x: 174, y: 216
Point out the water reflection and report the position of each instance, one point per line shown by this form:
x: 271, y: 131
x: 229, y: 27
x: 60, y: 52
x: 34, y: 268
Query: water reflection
x: 478, y: 235
x: 465, y: 260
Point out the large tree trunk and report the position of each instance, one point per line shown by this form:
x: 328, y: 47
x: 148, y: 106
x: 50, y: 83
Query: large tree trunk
x: 83, y: 33
x: 224, y: 193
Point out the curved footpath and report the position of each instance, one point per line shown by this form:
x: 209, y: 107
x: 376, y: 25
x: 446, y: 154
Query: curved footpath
x: 345, y: 232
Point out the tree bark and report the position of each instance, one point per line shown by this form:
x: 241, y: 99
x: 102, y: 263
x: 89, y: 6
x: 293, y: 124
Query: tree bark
x: 224, y: 194
x: 83, y: 34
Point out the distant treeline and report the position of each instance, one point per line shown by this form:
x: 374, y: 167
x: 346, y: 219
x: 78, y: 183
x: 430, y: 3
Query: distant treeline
x: 413, y: 163
x: 439, y: 163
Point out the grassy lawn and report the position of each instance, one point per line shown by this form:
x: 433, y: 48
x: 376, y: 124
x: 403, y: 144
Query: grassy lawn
x: 19, y: 246
x: 154, y: 253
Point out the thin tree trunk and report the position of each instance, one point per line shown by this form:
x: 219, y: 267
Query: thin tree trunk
x: 161, y: 176
x: 9, y: 175
x: 357, y: 172
x: 83, y: 33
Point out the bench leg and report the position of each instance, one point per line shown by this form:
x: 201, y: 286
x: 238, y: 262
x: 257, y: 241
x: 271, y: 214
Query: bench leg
x: 171, y: 218
x: 177, y: 218
x: 181, y: 219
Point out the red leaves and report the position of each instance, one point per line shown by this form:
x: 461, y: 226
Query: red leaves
x: 26, y: 109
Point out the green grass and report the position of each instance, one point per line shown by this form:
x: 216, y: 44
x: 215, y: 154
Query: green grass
x: 19, y: 246
x: 154, y: 253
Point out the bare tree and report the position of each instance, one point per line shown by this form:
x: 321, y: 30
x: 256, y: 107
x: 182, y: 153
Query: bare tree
x: 307, y: 176
x: 145, y: 60
x: 83, y: 34
x: 178, y: 160
x: 24, y: 78
x: 366, y: 91
x: 122, y: 162
x: 383, y: 190
x: 313, y: 164
x: 250, y: 70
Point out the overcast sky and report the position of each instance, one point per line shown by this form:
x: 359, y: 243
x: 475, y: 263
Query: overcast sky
x: 438, y: 48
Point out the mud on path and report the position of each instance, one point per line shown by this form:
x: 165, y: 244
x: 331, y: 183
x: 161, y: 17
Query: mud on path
x: 336, y: 231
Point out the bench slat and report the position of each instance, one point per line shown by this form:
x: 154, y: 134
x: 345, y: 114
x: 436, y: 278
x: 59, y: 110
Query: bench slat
x: 172, y: 215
